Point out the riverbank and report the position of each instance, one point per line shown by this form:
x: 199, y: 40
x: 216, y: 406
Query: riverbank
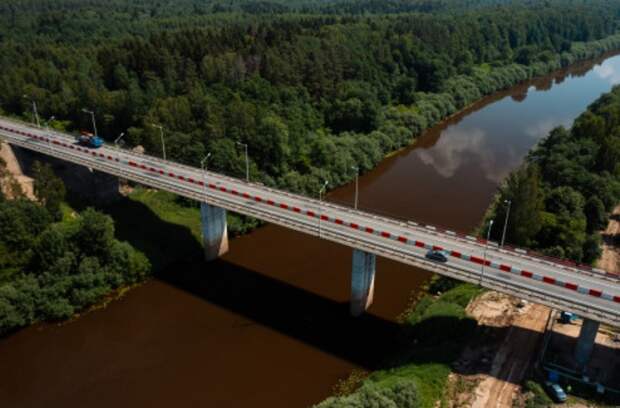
x: 503, y: 381
x: 551, y: 189
x: 610, y: 259
x: 268, y: 324
x: 436, y: 330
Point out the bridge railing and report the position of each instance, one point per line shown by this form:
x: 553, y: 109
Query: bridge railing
x: 383, y: 216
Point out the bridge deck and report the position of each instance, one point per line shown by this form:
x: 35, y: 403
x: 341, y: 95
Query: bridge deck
x: 589, y: 293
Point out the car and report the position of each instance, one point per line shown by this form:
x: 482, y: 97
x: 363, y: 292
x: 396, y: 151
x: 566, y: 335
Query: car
x: 555, y: 391
x: 438, y: 256
x: 567, y: 317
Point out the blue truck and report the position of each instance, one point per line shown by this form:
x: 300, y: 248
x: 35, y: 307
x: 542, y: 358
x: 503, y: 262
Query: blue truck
x: 89, y: 140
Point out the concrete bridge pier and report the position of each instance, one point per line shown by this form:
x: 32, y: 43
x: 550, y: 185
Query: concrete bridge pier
x: 585, y: 342
x: 214, y: 231
x: 362, y: 281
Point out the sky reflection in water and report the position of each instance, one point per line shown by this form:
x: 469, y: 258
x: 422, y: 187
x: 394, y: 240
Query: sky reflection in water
x: 496, y: 139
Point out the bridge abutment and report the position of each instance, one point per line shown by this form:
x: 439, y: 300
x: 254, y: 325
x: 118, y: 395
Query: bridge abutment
x: 362, y: 281
x: 83, y: 184
x: 214, y: 231
x: 585, y: 342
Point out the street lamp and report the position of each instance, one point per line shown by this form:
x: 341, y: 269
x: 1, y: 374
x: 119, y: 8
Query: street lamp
x: 321, y: 191
x: 357, y: 177
x: 118, y: 139
x: 203, y: 165
x: 47, y: 126
x: 247, y: 163
x: 484, y: 258
x: 161, y: 135
x: 35, y: 113
x: 47, y: 122
x: 92, y: 115
x: 509, y: 202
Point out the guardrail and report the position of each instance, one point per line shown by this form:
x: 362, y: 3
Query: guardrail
x: 386, y: 249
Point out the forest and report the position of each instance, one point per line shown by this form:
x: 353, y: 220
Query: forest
x: 54, y: 265
x: 563, y: 195
x: 313, y: 88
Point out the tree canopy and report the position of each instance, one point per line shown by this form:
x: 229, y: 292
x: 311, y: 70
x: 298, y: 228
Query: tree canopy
x: 562, y: 196
x: 311, y: 86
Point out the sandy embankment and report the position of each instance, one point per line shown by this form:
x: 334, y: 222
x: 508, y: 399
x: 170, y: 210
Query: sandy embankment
x: 610, y: 261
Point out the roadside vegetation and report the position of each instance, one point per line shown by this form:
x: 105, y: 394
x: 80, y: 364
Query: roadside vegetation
x: 52, y: 265
x: 564, y: 193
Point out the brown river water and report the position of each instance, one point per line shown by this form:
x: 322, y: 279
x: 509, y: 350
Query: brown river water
x: 268, y: 325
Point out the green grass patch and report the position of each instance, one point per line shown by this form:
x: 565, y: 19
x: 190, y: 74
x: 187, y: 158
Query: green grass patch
x: 166, y: 206
x: 166, y: 227
x: 436, y: 330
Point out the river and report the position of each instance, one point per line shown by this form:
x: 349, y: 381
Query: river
x: 268, y: 325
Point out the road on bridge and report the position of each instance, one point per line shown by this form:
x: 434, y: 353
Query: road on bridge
x: 588, y: 292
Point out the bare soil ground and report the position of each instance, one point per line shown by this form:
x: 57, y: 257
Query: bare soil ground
x: 604, y: 365
x: 13, y: 182
x: 491, y: 369
x: 610, y: 261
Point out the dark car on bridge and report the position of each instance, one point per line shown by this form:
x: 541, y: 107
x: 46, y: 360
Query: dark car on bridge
x: 437, y: 256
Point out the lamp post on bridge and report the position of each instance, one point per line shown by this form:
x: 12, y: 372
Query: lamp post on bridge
x: 47, y: 122
x: 118, y: 139
x: 203, y: 165
x: 92, y: 115
x: 47, y: 127
x: 321, y: 191
x: 247, y: 162
x: 484, y: 258
x: 161, y: 135
x: 357, y: 177
x: 509, y: 202
x: 35, y: 113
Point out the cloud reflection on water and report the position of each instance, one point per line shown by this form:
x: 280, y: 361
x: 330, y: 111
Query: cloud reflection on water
x: 608, y: 72
x: 458, y: 148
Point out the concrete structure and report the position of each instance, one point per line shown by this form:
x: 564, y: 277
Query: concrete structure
x: 362, y: 281
x: 590, y: 293
x: 85, y: 184
x: 585, y: 342
x: 214, y: 231
x: 14, y: 174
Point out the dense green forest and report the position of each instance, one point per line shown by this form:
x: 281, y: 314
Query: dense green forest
x: 563, y: 194
x: 313, y: 88
x: 53, y: 266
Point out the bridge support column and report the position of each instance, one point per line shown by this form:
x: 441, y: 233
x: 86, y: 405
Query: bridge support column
x: 585, y: 342
x: 214, y: 231
x: 362, y: 281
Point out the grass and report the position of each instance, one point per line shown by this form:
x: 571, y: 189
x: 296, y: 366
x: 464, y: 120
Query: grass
x: 165, y: 227
x: 436, y: 330
x: 166, y: 207
x: 430, y: 379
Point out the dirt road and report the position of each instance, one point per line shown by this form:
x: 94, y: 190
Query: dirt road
x: 610, y: 261
x: 491, y: 369
x: 514, y: 357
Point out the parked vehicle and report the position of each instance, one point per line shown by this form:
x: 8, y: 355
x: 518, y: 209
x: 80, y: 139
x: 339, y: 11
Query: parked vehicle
x: 89, y: 140
x: 437, y: 256
x: 567, y: 317
x: 555, y: 391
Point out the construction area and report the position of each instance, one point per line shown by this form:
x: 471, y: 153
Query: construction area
x: 518, y: 340
x: 601, y: 373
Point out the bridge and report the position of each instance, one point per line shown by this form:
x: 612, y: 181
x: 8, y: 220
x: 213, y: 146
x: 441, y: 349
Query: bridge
x: 589, y: 292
